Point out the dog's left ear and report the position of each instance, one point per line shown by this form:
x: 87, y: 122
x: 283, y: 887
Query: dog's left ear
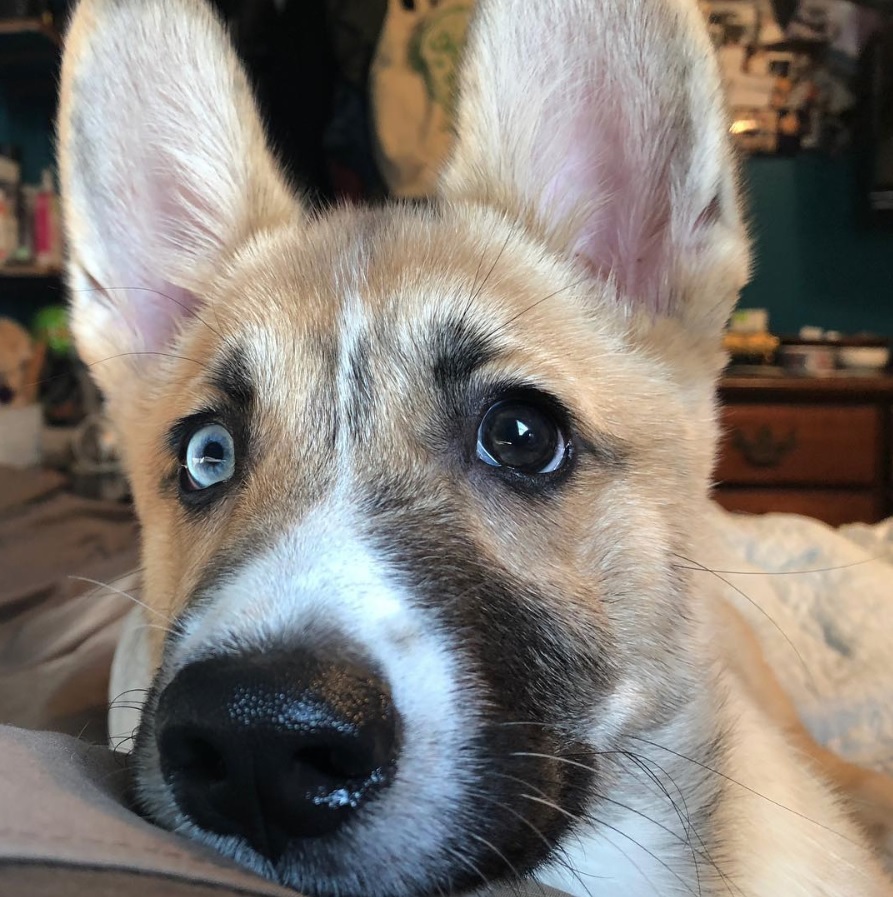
x: 165, y: 171
x: 601, y: 125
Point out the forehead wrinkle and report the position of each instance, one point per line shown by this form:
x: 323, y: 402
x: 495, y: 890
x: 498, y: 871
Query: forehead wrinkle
x: 230, y: 374
x: 457, y: 351
x: 354, y: 386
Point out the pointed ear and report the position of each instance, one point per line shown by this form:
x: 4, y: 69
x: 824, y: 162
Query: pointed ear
x: 164, y: 170
x: 601, y: 124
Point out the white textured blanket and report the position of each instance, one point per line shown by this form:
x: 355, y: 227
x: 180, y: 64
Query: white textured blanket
x: 821, y: 600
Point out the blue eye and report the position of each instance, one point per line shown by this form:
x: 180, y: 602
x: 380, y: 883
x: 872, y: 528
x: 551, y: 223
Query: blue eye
x: 210, y: 457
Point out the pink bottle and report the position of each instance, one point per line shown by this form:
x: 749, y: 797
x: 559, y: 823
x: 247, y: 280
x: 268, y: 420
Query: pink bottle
x: 46, y: 228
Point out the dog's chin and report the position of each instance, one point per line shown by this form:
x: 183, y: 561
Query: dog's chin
x: 512, y: 796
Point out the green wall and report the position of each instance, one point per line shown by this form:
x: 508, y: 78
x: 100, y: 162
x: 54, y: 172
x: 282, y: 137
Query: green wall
x: 814, y: 262
x: 25, y: 123
x: 29, y: 73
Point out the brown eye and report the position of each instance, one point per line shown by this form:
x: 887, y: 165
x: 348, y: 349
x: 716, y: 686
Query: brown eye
x: 522, y: 436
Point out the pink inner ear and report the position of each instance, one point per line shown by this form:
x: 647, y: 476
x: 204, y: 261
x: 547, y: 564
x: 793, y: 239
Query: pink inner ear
x: 618, y: 180
x: 151, y: 315
x: 160, y: 228
x: 157, y: 314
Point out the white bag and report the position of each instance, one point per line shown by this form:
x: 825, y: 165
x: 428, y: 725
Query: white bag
x: 413, y: 90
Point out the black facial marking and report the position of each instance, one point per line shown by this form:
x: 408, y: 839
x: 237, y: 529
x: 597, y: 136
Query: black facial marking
x: 359, y: 411
x: 457, y: 352
x: 323, y: 401
x: 508, y: 628
x: 536, y: 682
x: 232, y: 377
x: 537, y: 676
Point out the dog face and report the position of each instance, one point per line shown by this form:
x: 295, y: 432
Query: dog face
x: 411, y: 480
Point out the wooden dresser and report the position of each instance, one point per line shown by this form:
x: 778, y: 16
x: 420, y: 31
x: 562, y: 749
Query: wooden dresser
x: 821, y: 447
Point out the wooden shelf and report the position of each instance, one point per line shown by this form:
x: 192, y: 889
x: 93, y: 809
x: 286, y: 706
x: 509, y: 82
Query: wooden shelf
x: 42, y: 26
x: 842, y: 386
x: 29, y: 271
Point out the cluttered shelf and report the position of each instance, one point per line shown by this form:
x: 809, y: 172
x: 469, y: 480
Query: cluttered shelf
x: 30, y: 231
x: 30, y: 237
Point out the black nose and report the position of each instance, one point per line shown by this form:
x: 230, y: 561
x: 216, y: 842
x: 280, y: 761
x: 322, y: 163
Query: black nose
x: 276, y: 746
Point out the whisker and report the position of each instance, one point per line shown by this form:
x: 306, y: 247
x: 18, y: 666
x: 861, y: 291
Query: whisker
x: 555, y: 851
x: 704, y: 569
x: 475, y: 290
x: 122, y: 740
x: 595, y: 820
x: 129, y: 691
x: 690, y: 828
x: 187, y: 309
x: 747, y: 788
x: 490, y: 846
x: 706, y: 767
x: 174, y: 355
x: 127, y: 595
x: 122, y: 767
x: 871, y: 560
x: 455, y: 855
x: 642, y: 815
x: 685, y: 820
x: 133, y: 704
x: 504, y: 325
x: 153, y: 626
x: 84, y: 728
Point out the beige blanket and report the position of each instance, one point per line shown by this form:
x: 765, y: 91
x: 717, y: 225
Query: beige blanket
x: 58, y: 632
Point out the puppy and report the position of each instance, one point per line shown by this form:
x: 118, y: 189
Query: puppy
x: 415, y: 482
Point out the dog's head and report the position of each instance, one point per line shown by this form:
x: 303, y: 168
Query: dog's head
x: 411, y: 480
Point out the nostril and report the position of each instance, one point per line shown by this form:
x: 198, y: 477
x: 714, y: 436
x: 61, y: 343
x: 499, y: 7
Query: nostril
x: 195, y: 757
x: 205, y: 760
x: 334, y: 762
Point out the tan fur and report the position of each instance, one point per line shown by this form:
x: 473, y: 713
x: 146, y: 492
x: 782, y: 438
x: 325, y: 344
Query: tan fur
x: 870, y: 793
x: 299, y: 295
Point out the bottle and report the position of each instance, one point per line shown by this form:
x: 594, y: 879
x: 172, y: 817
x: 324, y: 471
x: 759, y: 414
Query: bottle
x: 47, y: 249
x: 6, y: 247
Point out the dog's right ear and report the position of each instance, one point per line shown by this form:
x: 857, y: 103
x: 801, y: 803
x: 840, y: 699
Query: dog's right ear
x: 164, y: 171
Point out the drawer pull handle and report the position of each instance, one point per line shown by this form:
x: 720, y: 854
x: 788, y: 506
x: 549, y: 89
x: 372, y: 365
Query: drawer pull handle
x: 764, y: 450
